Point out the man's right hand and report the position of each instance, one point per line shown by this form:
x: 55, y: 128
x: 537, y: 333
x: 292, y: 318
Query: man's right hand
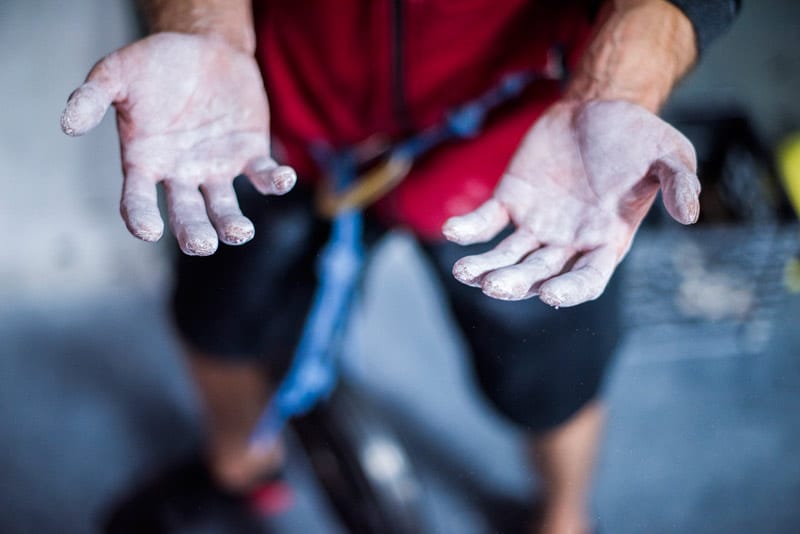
x: 192, y: 113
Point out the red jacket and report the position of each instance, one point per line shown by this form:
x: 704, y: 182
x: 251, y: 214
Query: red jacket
x: 343, y: 70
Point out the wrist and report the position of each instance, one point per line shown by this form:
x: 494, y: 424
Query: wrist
x: 228, y: 20
x: 640, y: 49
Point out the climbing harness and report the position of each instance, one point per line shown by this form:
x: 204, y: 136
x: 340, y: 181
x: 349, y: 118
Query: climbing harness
x: 313, y: 373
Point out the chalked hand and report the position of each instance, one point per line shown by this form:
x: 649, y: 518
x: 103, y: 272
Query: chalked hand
x: 576, y: 191
x: 192, y: 114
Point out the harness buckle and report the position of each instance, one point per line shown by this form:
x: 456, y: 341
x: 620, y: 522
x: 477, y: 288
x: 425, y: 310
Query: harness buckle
x: 368, y: 188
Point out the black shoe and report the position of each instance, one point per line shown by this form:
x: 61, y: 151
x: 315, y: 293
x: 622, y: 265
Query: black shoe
x: 183, y: 500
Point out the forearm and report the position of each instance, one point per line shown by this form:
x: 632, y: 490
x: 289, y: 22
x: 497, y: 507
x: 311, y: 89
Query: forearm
x: 230, y: 19
x: 640, y: 49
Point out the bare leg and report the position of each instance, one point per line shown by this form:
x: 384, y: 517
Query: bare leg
x: 564, y: 457
x: 233, y: 395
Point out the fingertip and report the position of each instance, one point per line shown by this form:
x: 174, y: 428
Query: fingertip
x: 690, y: 213
x: 496, y: 286
x: 462, y: 231
x: 680, y: 186
x: 464, y: 273
x: 684, y: 202
x: 453, y: 233
x: 477, y: 226
x: 556, y: 297
x: 269, y: 178
x: 284, y: 179
x: 66, y: 123
x: 196, y: 241
x: 237, y: 232
x: 569, y: 290
x: 222, y: 207
x: 143, y: 224
x: 85, y: 108
x: 550, y: 297
x: 199, y: 247
x: 491, y: 289
x: 148, y: 232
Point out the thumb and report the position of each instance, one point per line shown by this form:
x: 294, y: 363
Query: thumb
x: 88, y: 104
x: 680, y: 188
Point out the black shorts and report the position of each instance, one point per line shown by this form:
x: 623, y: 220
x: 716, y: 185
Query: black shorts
x: 537, y: 365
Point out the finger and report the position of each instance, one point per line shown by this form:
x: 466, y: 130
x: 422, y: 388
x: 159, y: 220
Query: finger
x: 520, y: 281
x: 586, y: 281
x: 139, y: 207
x: 188, y: 220
x: 269, y: 177
x: 680, y: 188
x: 233, y: 228
x: 477, y: 226
x: 88, y: 104
x: 470, y: 270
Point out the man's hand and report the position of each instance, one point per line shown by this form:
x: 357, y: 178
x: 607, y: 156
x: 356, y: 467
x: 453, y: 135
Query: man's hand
x: 577, y: 190
x: 589, y: 169
x: 192, y: 113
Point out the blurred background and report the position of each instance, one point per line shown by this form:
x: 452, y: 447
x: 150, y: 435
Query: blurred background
x: 703, y: 399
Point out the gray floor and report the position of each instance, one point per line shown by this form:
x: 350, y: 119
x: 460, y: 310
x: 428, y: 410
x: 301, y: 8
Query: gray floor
x: 703, y: 432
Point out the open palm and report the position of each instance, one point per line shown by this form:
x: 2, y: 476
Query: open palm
x: 191, y: 113
x: 577, y: 190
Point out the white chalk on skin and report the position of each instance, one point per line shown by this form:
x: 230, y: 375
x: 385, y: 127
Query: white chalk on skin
x: 471, y: 269
x: 479, y: 225
x: 85, y: 109
x: 233, y: 228
x: 269, y: 178
x: 188, y: 219
x: 519, y: 281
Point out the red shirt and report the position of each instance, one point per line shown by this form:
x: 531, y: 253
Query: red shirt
x: 341, y: 71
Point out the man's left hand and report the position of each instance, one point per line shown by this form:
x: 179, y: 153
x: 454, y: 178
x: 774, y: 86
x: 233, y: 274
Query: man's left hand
x: 576, y: 191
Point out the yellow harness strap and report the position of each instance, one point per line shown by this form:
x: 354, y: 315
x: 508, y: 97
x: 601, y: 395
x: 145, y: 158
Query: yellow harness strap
x: 367, y: 189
